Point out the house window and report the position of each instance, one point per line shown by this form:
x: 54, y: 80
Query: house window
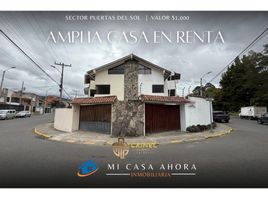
x: 92, y: 93
x: 87, y: 78
x: 117, y: 70
x: 102, y: 89
x: 15, y: 99
x: 171, y: 92
x: 144, y: 70
x: 8, y: 99
x: 158, y: 88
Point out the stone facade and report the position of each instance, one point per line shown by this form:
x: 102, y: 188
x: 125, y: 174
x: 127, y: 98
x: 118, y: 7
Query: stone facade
x: 128, y: 115
x: 128, y: 118
x: 131, y: 87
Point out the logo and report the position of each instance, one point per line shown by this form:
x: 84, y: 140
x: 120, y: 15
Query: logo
x: 120, y: 148
x: 87, y: 168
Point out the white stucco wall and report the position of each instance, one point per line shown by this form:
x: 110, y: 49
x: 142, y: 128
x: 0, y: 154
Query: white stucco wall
x: 116, y: 82
x: 76, y: 116
x: 182, y: 118
x: 195, y: 113
x: 147, y: 80
x: 67, y: 119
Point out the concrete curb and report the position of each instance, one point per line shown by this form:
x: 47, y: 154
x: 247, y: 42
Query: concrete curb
x: 220, y: 133
x: 41, y: 134
x: 216, y: 134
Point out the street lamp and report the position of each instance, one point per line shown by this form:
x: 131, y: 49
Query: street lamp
x: 3, y: 77
x: 201, y: 79
x: 55, y: 68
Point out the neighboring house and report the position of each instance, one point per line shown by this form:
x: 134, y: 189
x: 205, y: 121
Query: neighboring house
x: 20, y: 101
x: 132, y: 96
x: 52, y: 102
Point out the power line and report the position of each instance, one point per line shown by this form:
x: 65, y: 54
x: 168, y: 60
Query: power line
x: 37, y: 65
x: 242, y: 52
x: 67, y: 93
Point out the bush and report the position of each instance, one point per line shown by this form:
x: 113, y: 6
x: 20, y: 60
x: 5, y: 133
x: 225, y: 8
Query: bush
x: 200, y: 128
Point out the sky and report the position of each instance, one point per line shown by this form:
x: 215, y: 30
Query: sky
x: 30, y: 30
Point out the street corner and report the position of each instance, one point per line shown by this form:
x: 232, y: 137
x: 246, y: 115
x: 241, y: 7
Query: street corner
x: 47, y: 131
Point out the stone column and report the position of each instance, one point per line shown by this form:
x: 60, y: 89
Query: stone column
x: 128, y: 115
x: 131, y: 81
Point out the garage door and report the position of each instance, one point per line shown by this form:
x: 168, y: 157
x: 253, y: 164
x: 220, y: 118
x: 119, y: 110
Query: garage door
x: 160, y: 118
x: 96, y: 118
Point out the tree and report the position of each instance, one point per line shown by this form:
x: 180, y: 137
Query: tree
x: 244, y: 83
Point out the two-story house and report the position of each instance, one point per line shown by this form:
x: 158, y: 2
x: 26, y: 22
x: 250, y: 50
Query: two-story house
x: 19, y: 101
x: 150, y: 79
x: 130, y: 96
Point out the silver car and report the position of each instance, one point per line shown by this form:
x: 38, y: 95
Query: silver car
x: 24, y: 114
x: 7, y: 114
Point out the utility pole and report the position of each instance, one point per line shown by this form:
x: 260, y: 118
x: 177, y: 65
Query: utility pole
x: 210, y: 99
x: 61, y: 80
x: 201, y: 87
x: 22, y: 88
x: 46, y: 102
x: 3, y: 77
x: 201, y: 84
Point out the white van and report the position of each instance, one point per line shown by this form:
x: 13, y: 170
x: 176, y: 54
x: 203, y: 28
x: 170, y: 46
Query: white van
x: 7, y: 114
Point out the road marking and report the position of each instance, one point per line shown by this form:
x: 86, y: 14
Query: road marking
x: 70, y: 141
x: 117, y: 174
x: 89, y: 142
x: 193, y: 139
x: 41, y: 134
x: 176, y: 141
x: 109, y: 142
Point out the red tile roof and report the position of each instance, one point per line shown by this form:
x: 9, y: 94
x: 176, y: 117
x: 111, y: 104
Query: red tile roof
x: 94, y: 100
x: 164, y: 99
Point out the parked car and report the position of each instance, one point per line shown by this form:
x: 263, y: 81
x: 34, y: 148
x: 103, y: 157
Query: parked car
x: 24, y: 114
x: 7, y: 114
x: 263, y: 119
x: 220, y: 116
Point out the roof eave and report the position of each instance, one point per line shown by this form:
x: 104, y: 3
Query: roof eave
x: 126, y: 58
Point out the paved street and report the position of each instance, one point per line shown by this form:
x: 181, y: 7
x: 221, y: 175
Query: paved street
x: 238, y: 159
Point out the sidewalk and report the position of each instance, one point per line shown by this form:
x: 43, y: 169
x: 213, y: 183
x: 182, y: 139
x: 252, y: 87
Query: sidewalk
x: 47, y: 131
